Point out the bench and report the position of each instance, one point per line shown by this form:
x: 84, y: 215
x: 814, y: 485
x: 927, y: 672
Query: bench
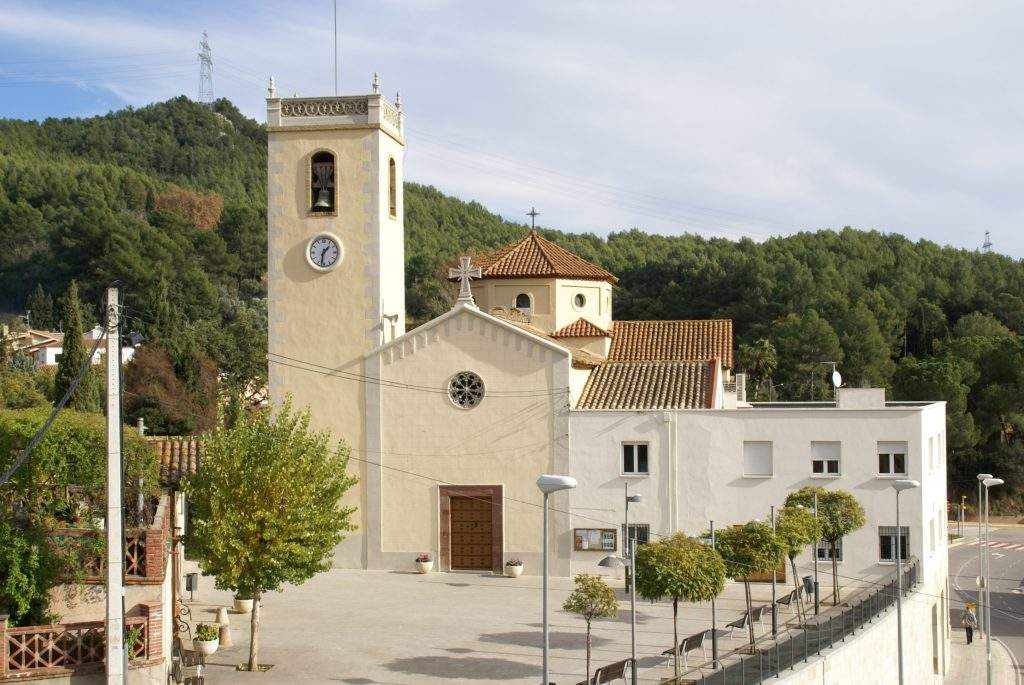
x: 695, y: 641
x: 755, y: 614
x: 607, y: 674
x: 183, y: 660
x: 788, y: 601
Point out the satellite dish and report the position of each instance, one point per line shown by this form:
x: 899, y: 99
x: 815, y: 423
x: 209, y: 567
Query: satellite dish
x: 837, y: 379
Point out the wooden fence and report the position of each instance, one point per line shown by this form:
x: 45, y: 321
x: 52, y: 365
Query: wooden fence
x: 65, y: 648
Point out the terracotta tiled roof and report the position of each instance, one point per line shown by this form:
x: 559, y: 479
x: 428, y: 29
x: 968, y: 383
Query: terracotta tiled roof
x: 581, y: 359
x: 179, y: 458
x: 649, y: 385
x: 580, y: 328
x: 535, y: 257
x: 672, y: 341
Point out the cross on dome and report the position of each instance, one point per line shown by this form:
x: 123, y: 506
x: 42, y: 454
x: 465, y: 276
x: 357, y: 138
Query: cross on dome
x: 464, y: 272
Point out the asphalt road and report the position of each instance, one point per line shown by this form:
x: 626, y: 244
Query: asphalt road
x: 1007, y: 576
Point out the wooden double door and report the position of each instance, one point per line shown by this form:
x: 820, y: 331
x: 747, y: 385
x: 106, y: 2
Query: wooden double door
x: 471, y: 528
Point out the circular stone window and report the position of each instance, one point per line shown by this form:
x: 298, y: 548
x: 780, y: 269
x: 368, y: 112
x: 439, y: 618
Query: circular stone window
x: 579, y: 301
x: 466, y: 389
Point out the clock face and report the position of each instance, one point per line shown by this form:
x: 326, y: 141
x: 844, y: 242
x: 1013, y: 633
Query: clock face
x: 324, y: 252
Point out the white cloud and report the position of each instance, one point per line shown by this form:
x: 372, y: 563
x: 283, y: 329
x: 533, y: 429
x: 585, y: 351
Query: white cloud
x: 746, y: 117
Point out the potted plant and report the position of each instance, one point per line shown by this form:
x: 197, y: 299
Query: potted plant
x: 207, y: 639
x: 424, y: 563
x: 243, y: 604
x: 514, y: 568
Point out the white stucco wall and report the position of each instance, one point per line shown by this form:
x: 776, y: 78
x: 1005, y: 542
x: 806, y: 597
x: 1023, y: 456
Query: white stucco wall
x: 517, y: 432
x: 869, y: 657
x: 705, y: 481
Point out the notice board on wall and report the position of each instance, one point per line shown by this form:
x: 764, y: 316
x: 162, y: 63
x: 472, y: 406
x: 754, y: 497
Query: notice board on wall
x: 594, y: 539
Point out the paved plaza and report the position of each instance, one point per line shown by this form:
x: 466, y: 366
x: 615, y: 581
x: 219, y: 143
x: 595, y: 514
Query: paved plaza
x: 365, y: 627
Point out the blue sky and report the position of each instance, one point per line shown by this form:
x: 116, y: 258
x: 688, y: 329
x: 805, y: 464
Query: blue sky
x: 724, y: 119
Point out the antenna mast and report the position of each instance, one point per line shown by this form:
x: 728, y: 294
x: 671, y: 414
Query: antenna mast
x: 987, y: 245
x: 205, y: 72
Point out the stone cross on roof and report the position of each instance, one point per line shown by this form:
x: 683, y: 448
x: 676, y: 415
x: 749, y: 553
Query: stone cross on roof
x: 464, y: 272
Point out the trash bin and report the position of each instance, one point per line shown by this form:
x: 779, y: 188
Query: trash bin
x: 809, y: 585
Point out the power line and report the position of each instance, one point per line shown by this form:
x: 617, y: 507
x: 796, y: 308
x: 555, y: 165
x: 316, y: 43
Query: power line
x: 86, y: 363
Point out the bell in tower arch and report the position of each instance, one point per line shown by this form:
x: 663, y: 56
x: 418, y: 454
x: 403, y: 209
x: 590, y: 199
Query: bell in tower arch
x: 322, y: 182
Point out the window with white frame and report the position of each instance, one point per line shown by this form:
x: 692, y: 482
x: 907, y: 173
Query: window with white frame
x: 892, y: 458
x: 634, y: 458
x: 825, y: 459
x: 757, y: 459
x: 823, y: 550
x: 887, y: 543
x: 931, y: 535
x: 931, y: 454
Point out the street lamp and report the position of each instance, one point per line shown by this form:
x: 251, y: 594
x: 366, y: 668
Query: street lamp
x: 627, y: 562
x: 988, y: 483
x: 899, y: 486
x: 548, y: 484
x: 981, y: 561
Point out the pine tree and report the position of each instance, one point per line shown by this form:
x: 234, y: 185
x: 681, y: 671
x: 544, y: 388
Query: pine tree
x: 40, y: 304
x: 86, y: 396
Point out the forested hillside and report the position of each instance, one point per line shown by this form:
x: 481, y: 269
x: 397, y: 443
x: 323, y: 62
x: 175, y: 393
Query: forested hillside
x: 170, y: 200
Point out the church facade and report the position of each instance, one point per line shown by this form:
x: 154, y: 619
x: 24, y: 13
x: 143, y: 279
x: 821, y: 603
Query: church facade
x: 451, y: 423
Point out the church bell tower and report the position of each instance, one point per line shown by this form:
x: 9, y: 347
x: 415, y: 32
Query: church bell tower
x: 335, y: 244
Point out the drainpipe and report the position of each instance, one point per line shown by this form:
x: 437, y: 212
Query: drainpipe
x: 673, y: 472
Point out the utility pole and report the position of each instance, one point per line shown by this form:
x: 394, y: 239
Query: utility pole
x: 205, y: 72
x: 115, y: 554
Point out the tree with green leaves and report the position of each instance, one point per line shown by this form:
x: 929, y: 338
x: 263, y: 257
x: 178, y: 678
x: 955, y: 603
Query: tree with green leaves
x: 40, y: 308
x: 759, y: 360
x: 804, y: 341
x: 748, y: 549
x: 86, y: 397
x: 265, y: 506
x: 679, y: 568
x: 798, y: 528
x: 839, y: 514
x: 590, y: 599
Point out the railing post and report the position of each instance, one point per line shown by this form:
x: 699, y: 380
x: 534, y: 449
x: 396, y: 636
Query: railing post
x: 3, y: 645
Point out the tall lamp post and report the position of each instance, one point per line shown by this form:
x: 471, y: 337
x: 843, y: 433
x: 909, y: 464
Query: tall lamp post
x: 627, y: 561
x: 899, y: 486
x: 981, y: 561
x: 988, y: 483
x: 548, y: 484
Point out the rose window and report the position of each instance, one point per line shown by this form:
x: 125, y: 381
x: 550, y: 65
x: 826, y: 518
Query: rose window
x: 466, y: 389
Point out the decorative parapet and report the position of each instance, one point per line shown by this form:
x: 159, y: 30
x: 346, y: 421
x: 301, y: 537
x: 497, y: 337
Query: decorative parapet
x: 334, y: 112
x: 62, y: 649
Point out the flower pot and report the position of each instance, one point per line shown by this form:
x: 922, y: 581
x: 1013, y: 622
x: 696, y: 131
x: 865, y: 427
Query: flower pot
x: 205, y: 647
x: 243, y: 606
x: 514, y: 571
x: 425, y: 566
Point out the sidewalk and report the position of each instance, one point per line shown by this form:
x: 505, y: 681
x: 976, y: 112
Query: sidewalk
x: 967, y: 664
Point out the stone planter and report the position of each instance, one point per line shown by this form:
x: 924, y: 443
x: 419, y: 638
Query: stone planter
x: 205, y: 647
x: 243, y: 606
x: 425, y: 566
x: 514, y: 571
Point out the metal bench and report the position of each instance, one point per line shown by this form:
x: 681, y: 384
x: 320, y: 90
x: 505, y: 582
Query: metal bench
x: 185, y: 660
x: 695, y: 641
x: 788, y: 601
x: 755, y: 614
x: 607, y: 674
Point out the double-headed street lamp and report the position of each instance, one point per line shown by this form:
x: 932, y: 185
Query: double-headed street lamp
x: 899, y: 486
x: 628, y: 562
x: 988, y: 483
x: 547, y: 485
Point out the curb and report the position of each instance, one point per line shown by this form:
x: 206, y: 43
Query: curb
x: 1013, y: 662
